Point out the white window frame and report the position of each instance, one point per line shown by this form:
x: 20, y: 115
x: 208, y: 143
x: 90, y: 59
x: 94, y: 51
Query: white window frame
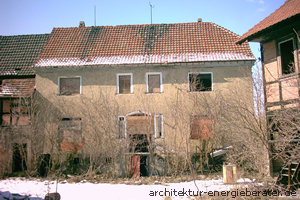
x: 58, y: 81
x: 162, y: 126
x: 125, y: 125
x: 131, y: 81
x: 212, y: 80
x: 147, y: 81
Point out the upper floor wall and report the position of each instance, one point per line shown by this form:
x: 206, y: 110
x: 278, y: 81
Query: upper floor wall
x: 138, y: 87
x: 281, y: 70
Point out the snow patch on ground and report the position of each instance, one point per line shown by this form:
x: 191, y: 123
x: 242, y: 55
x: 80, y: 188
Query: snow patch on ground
x: 86, y: 190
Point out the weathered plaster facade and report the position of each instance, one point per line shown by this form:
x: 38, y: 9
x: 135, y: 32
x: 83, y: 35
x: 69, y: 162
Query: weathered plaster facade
x: 176, y: 103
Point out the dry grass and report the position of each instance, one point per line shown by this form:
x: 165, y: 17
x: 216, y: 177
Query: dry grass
x: 151, y: 180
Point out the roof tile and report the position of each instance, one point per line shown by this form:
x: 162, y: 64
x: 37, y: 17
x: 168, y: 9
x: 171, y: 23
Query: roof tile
x: 127, y: 44
x: 18, y: 53
x: 17, y: 87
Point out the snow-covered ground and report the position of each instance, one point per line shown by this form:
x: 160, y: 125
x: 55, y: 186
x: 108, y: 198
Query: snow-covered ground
x: 85, y: 190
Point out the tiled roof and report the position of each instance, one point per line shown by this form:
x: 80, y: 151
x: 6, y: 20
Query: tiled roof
x: 289, y: 9
x: 156, y: 43
x: 17, y: 87
x: 18, y: 53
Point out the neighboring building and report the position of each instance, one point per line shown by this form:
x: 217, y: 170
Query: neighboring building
x: 17, y: 84
x: 279, y: 37
x: 126, y: 92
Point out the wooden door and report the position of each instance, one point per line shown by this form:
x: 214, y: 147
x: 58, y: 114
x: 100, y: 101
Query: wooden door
x: 135, y: 166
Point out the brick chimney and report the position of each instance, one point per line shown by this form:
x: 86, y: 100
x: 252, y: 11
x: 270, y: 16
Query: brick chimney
x: 81, y: 24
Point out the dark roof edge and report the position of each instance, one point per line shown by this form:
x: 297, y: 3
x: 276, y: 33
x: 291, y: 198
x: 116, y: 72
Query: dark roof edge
x: 25, y: 35
x: 17, y: 76
x: 274, y: 26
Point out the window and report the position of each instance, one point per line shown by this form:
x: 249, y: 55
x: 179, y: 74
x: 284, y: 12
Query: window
x: 158, y: 120
x: 124, y: 83
x: 69, y: 85
x: 70, y: 134
x: 286, y: 49
x: 154, y: 82
x: 199, y: 81
x: 202, y: 127
x: 14, y: 112
x: 121, y: 127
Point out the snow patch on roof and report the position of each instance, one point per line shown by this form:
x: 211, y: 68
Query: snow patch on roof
x: 144, y: 59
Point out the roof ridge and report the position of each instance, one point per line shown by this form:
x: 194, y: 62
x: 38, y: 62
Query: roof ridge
x: 25, y: 35
x: 120, y: 25
x: 227, y: 30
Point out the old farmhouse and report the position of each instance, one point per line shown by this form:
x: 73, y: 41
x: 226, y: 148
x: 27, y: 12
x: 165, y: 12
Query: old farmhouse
x: 128, y: 98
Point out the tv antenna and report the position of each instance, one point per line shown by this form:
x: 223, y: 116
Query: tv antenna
x: 151, y: 6
x: 95, y: 15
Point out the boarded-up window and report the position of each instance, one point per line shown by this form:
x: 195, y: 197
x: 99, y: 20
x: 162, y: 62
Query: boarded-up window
x: 287, y: 57
x: 202, y: 127
x: 14, y: 112
x: 70, y: 134
x: 159, y: 126
x: 154, y: 83
x: 139, y: 125
x: 200, y: 82
x: 124, y: 84
x: 121, y: 127
x: 69, y: 86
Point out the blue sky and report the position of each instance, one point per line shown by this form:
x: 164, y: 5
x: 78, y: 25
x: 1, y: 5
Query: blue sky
x: 40, y: 16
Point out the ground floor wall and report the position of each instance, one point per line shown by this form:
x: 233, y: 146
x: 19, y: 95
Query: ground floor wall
x: 18, y: 150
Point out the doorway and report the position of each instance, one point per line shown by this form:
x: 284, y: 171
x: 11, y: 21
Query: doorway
x: 19, y: 157
x: 140, y: 130
x: 144, y: 169
x: 139, y: 147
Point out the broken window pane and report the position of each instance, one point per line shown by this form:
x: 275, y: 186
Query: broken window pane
x: 158, y: 126
x: 154, y: 83
x: 287, y: 57
x: 69, y: 86
x: 200, y: 82
x: 124, y: 84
